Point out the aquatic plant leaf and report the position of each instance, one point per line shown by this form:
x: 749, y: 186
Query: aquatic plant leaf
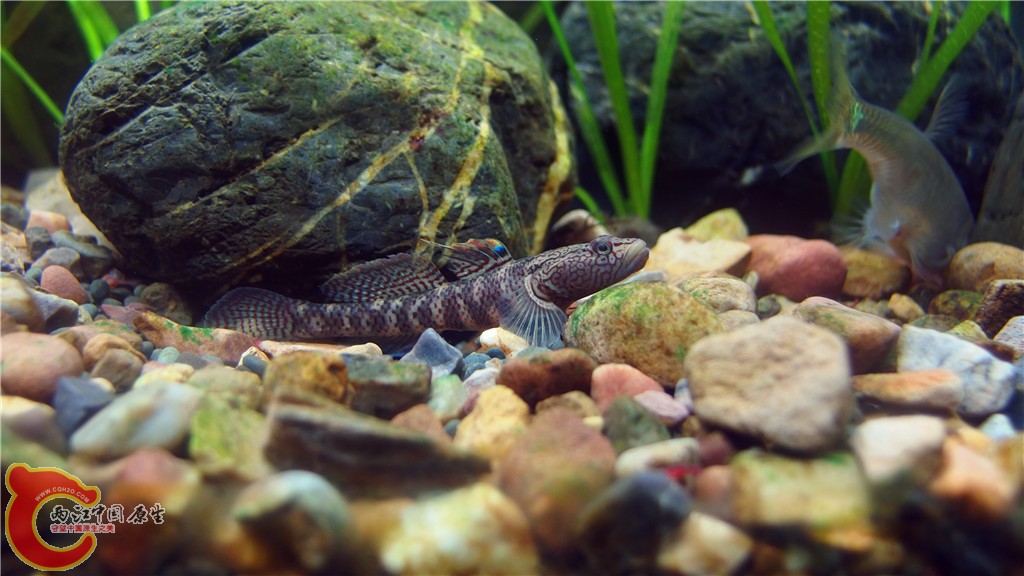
x: 142, y: 11
x: 590, y: 131
x: 653, y: 118
x: 94, y: 22
x: 12, y: 63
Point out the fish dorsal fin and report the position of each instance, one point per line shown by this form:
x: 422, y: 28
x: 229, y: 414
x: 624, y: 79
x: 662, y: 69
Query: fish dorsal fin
x: 391, y: 277
x: 950, y: 109
x: 537, y: 320
x: 473, y: 258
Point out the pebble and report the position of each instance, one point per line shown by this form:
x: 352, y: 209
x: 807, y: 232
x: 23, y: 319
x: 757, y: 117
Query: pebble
x: 101, y: 343
x: 636, y: 513
x: 1012, y: 334
x: 32, y: 421
x: 628, y: 425
x: 478, y: 382
x: 935, y: 389
x: 273, y: 348
x: 726, y: 224
x: 302, y: 513
x: 499, y: 418
x: 238, y: 388
x: 119, y: 367
x: 96, y: 260
x: 361, y: 455
x: 672, y: 453
x: 434, y: 351
x: 722, y: 294
x: 680, y: 256
x: 705, y: 545
x: 38, y: 241
x: 224, y: 440
x: 166, y: 301
x: 472, y: 530
x: 576, y: 402
x: 796, y: 268
x: 827, y: 497
x: 899, y: 448
x: 972, y: 484
x: 228, y: 345
x: 869, y: 338
x: 49, y: 221
x: 609, y: 381
x: 98, y: 290
x: 975, y: 266
x: 653, y: 325
x: 312, y: 372
x: 77, y: 399
x: 17, y: 300
x: 960, y: 304
x: 473, y: 362
x: 872, y: 275
x: 156, y: 415
x: 552, y: 472
x: 448, y: 395
x: 59, y: 281
x: 65, y: 258
x: 546, y: 374
x: 384, y: 389
x: 154, y: 373
x: 988, y: 383
x: 31, y: 364
x: 665, y: 408
x: 783, y: 381
x: 420, y: 418
x: 1003, y: 300
x: 508, y: 343
x: 733, y: 319
x: 165, y: 355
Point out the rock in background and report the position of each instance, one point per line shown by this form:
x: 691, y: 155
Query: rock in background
x: 220, y: 143
x: 732, y: 111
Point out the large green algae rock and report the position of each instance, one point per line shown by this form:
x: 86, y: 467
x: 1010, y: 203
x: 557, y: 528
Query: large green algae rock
x: 219, y: 144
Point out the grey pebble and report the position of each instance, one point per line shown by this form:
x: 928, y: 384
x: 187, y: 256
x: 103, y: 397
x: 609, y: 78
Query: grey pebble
x: 256, y: 364
x: 34, y: 275
x: 167, y: 355
x: 98, y: 290
x: 473, y: 362
x: 132, y: 300
x: 38, y: 240
x: 194, y: 360
x: 96, y: 260
x: 147, y: 348
x: 434, y: 351
x: 61, y: 256
x: 92, y: 309
x: 14, y: 215
x: 495, y: 353
x: 76, y: 400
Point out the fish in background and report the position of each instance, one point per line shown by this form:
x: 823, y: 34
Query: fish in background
x: 918, y: 210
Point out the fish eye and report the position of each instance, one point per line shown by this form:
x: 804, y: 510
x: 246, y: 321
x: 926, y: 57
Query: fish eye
x: 602, y: 247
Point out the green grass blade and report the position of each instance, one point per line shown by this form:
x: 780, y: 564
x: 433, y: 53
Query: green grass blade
x: 819, y: 36
x: 670, y: 26
x: 590, y: 130
x: 20, y: 121
x: 929, y: 36
x: 764, y: 14
x: 97, y: 27
x: 142, y: 10
x: 589, y: 203
x: 23, y: 15
x: 11, y: 62
x: 602, y: 23
x: 532, y: 18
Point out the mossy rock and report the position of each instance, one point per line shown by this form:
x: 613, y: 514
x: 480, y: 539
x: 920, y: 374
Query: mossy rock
x: 219, y: 144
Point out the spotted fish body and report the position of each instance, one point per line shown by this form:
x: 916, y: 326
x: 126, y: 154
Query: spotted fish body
x: 404, y: 295
x: 918, y: 210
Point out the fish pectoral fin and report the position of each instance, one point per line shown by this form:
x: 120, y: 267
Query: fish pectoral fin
x: 809, y: 147
x: 473, y: 258
x: 385, y: 278
x: 259, y: 313
x: 539, y: 321
x: 950, y: 109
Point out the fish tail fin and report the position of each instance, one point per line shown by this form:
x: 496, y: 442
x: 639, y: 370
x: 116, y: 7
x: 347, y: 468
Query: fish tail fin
x: 260, y: 313
x: 806, y: 149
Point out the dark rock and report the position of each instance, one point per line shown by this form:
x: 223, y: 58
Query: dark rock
x: 623, y: 529
x: 166, y: 301
x: 14, y: 215
x: 362, y: 455
x: 434, y: 351
x: 1001, y: 218
x: 551, y: 373
x: 286, y: 134
x: 1003, y: 300
x: 474, y: 362
x: 38, y: 240
x: 384, y: 389
x: 732, y: 111
x: 99, y: 290
x: 628, y: 425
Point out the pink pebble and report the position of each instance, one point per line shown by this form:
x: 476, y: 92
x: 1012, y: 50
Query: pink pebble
x: 59, y: 281
x: 609, y: 381
x: 664, y: 407
x: 795, y: 267
x: 52, y: 221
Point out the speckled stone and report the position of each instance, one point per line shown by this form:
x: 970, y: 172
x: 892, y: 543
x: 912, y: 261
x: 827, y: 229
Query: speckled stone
x: 872, y: 275
x: 935, y: 389
x: 1003, y: 300
x: 313, y: 372
x: 722, y: 294
x: 783, y: 381
x: 224, y: 440
x: 496, y: 422
x: 796, y: 268
x: 975, y: 266
x: 869, y: 338
x: 628, y: 425
x: 546, y: 374
x: 384, y: 389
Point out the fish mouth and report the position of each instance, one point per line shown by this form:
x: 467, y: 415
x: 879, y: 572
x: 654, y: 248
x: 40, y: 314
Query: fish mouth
x: 635, y: 257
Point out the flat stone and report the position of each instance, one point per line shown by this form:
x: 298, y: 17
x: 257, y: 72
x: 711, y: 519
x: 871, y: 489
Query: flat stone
x: 362, y: 455
x: 552, y: 472
x: 497, y: 420
x: 722, y: 294
x: 1003, y: 299
x: 228, y: 345
x: 96, y: 260
x: 273, y: 348
x: 935, y: 389
x: 705, y: 545
x: 783, y: 381
x: 551, y: 373
x: 988, y: 382
x: 384, y: 389
x: 681, y: 256
x: 313, y: 372
x: 653, y: 325
x: 224, y: 440
x: 471, y: 530
x: 157, y: 415
x: 899, y: 448
x: 726, y: 224
x: 676, y: 452
x: 420, y: 418
x: 872, y: 275
x: 1012, y: 334
x: 665, y: 408
x: 78, y: 399
x: 870, y: 338
x: 32, y: 421
x: 796, y: 268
